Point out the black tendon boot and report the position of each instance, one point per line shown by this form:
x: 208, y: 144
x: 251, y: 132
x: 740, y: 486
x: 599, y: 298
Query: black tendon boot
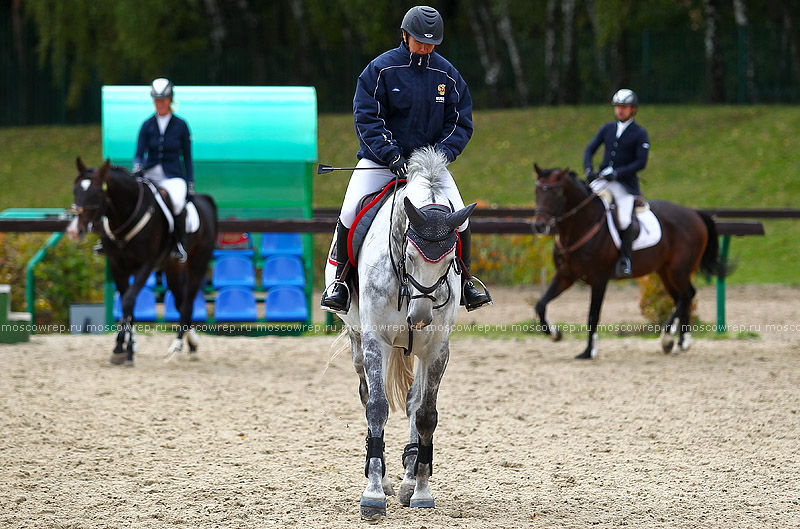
x: 624, y: 268
x: 336, y: 297
x: 471, y: 297
x: 179, y: 251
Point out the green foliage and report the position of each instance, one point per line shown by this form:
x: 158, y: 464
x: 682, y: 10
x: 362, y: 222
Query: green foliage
x: 69, y: 274
x: 655, y: 302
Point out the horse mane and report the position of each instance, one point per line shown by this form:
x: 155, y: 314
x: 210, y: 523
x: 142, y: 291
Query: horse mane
x: 427, y: 167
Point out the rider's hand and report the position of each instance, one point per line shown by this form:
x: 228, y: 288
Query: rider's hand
x: 137, y: 168
x: 399, y: 166
x: 590, y: 175
x: 609, y: 173
x: 190, y: 191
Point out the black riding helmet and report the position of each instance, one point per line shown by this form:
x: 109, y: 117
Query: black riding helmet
x: 425, y: 24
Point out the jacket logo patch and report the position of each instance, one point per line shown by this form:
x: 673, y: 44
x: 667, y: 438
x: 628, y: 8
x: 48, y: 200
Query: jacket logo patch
x: 441, y: 89
x: 646, y: 145
x: 395, y: 89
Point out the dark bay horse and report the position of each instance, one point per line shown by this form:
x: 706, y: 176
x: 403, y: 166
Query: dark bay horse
x: 585, y: 251
x: 137, y: 240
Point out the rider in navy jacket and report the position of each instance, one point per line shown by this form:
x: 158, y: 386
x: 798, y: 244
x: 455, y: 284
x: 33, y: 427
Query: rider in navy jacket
x: 406, y: 98
x: 173, y: 150
x: 626, y: 149
x: 395, y: 83
x: 626, y: 155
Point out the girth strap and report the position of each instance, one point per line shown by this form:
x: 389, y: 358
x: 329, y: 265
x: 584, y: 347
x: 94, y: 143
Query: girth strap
x: 375, y: 446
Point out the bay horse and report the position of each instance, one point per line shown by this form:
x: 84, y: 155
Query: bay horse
x: 137, y: 241
x: 585, y: 251
x: 408, y: 299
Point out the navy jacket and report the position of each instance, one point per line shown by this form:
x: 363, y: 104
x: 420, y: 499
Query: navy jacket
x: 404, y: 101
x: 626, y: 154
x: 173, y: 150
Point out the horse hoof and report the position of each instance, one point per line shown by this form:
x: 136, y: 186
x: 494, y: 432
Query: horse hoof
x: 128, y: 363
x: 117, y: 358
x: 556, y: 336
x: 193, y: 356
x: 667, y: 345
x: 586, y: 355
x: 372, y: 509
x: 405, y: 493
x: 425, y: 503
x: 685, y: 342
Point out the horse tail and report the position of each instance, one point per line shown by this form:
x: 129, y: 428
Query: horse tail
x: 399, y: 377
x: 710, y: 263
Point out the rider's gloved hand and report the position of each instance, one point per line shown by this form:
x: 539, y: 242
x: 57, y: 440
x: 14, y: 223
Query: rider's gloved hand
x: 137, y: 168
x: 590, y: 175
x: 609, y: 173
x: 399, y: 166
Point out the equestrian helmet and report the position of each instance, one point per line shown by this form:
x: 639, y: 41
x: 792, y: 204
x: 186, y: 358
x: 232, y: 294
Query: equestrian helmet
x: 161, y: 88
x: 625, y: 96
x: 425, y: 24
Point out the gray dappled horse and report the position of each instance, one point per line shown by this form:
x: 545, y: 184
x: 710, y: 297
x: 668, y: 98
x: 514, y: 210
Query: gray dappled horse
x: 408, y: 273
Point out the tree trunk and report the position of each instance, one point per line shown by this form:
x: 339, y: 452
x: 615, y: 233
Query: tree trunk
x: 484, y: 39
x: 551, y: 63
x: 716, y: 78
x: 217, y: 35
x: 620, y: 73
x: 507, y: 34
x: 255, y: 42
x: 747, y: 92
x: 791, y: 22
x: 571, y: 89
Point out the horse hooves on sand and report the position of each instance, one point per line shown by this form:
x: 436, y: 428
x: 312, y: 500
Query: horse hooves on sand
x: 586, y: 355
x: 372, y: 509
x: 422, y: 504
x: 117, y: 358
x: 556, y: 336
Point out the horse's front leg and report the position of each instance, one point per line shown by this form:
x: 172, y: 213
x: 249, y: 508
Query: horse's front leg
x: 598, y: 292
x: 375, y: 352
x: 559, y: 284
x: 411, y: 450
x: 426, y: 419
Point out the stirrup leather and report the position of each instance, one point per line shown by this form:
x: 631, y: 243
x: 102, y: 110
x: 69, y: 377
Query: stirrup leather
x: 476, y: 306
x: 322, y: 304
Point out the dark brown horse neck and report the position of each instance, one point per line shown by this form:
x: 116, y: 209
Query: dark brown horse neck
x: 124, y: 197
x: 582, y: 217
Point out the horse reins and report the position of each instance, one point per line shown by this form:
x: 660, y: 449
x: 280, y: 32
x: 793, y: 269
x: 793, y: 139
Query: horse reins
x: 554, y: 220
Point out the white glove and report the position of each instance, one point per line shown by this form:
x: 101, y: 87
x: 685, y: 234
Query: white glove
x: 137, y: 167
x: 607, y: 171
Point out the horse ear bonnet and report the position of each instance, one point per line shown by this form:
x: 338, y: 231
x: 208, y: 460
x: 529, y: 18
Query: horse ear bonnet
x: 435, y: 238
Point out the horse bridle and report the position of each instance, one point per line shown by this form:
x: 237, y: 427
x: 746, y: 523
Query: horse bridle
x: 553, y: 218
x: 404, y: 278
x: 105, y: 201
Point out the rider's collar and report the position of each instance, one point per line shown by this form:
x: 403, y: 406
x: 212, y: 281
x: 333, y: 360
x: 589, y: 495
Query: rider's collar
x: 416, y: 59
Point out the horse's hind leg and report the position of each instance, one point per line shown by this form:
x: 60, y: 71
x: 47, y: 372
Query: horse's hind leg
x: 684, y: 310
x: 558, y: 285
x: 670, y: 328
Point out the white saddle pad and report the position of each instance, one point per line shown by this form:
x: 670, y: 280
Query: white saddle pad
x: 649, y: 229
x: 192, y: 218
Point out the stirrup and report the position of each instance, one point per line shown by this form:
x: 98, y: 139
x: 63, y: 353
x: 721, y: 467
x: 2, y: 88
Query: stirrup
x: 620, y: 270
x: 488, y: 301
x: 333, y: 309
x: 99, y: 249
x: 178, y: 253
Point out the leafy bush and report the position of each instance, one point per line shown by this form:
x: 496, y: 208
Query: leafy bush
x: 69, y: 273
x: 655, y: 302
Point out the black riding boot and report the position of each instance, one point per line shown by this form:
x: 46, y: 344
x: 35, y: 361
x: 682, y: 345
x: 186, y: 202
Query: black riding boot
x: 624, y: 268
x: 179, y: 251
x: 336, y: 297
x: 471, y: 297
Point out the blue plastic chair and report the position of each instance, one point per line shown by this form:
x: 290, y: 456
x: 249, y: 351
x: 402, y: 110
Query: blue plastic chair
x: 235, y: 304
x: 286, y: 304
x: 150, y: 283
x: 199, y: 310
x: 283, y: 270
x: 244, y: 252
x: 143, y: 310
x: 233, y: 271
x: 281, y: 244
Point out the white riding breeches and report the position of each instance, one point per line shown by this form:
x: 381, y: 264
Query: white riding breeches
x: 176, y: 187
x: 376, y: 177
x: 622, y: 198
